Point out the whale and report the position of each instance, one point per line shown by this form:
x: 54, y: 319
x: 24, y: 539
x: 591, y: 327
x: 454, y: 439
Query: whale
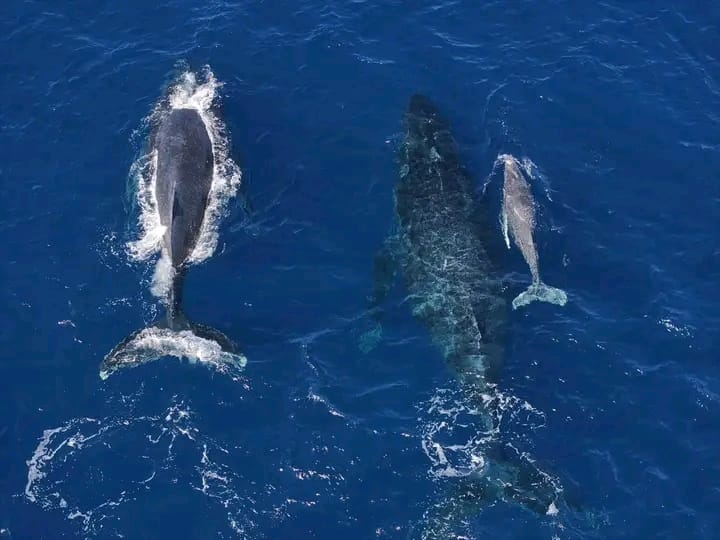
x: 438, y: 248
x: 517, y: 220
x: 184, y: 165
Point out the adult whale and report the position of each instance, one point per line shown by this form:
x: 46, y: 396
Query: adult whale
x: 184, y: 164
x: 440, y: 249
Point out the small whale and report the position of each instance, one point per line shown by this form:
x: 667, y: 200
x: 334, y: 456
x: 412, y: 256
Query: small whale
x: 184, y: 175
x: 518, y: 220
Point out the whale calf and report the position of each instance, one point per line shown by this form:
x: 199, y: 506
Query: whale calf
x: 439, y: 248
x: 184, y: 164
x: 518, y: 221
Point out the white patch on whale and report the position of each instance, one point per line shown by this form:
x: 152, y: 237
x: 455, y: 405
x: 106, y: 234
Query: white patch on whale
x: 162, y: 277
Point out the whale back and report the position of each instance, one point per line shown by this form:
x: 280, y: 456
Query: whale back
x: 519, y: 212
x: 452, y: 284
x: 184, y: 176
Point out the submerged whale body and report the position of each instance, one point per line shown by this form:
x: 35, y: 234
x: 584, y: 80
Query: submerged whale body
x: 184, y: 165
x: 440, y: 249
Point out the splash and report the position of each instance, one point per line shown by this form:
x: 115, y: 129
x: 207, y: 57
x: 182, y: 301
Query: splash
x: 151, y: 230
x: 190, y: 91
x: 46, y: 451
x: 456, y: 434
x: 66, y: 458
x: 535, y: 173
x: 162, y: 277
x: 460, y: 437
x: 95, y: 472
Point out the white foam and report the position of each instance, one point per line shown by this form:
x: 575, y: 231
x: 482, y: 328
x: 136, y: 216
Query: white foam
x: 535, y: 173
x: 143, y: 172
x: 676, y: 328
x: 455, y: 433
x: 85, y: 446
x: 152, y: 343
x: 162, y: 277
x: 45, y: 452
x: 189, y: 92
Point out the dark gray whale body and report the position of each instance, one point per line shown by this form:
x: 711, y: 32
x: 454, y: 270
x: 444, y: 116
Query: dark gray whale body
x: 184, y: 164
x: 449, y: 275
x: 184, y: 177
x: 440, y: 250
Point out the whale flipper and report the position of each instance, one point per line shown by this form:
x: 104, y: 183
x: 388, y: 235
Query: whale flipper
x: 384, y: 271
x: 384, y: 276
x: 542, y: 293
x: 504, y: 226
x: 195, y: 342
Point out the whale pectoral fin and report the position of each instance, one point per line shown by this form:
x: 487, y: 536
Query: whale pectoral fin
x: 504, y: 226
x: 385, y: 272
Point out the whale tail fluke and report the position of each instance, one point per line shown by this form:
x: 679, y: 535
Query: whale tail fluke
x: 509, y: 478
x: 540, y: 292
x: 178, y: 337
x: 515, y: 478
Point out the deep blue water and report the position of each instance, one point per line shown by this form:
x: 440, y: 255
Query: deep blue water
x: 617, y: 394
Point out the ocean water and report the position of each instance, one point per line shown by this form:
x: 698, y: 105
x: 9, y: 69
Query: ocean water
x: 616, y: 395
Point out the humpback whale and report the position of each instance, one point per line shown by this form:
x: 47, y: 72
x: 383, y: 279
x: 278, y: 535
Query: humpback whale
x: 184, y: 164
x: 439, y: 248
x: 518, y: 217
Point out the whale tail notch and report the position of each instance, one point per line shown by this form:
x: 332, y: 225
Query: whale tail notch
x: 538, y: 291
x: 175, y: 336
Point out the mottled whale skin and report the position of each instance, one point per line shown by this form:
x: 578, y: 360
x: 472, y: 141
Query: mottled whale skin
x: 184, y: 168
x: 518, y: 222
x: 453, y: 286
x: 439, y: 250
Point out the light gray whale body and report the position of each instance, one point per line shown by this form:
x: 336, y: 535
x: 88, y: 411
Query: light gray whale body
x: 439, y: 250
x: 184, y: 176
x: 518, y: 217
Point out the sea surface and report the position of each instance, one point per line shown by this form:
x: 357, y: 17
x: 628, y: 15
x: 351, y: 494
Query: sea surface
x: 615, y: 106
